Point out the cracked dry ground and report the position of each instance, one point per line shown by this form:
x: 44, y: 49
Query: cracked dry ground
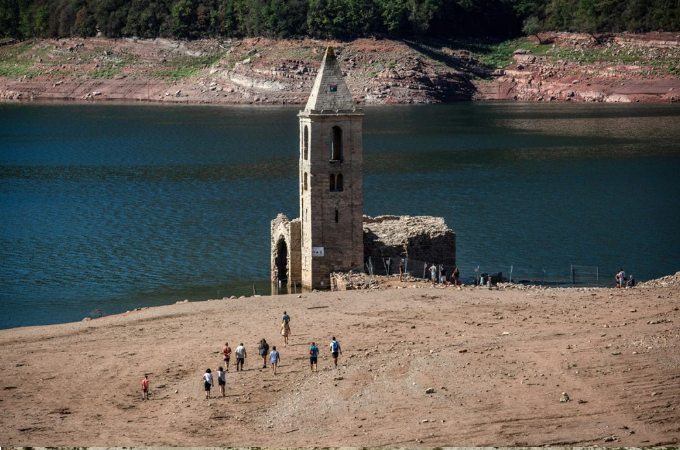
x: 498, y: 362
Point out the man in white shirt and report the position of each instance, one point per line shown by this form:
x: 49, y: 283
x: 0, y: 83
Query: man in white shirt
x: 433, y: 272
x: 335, y: 349
x: 240, y: 357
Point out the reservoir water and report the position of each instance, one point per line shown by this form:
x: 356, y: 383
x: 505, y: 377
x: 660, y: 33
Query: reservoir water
x: 113, y: 207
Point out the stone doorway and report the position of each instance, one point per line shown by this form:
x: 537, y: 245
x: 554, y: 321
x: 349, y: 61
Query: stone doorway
x: 281, y: 261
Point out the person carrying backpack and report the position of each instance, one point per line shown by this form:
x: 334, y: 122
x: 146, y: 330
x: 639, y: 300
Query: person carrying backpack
x: 335, y: 349
x: 313, y: 356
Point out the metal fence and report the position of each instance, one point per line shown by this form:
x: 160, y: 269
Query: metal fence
x: 573, y: 275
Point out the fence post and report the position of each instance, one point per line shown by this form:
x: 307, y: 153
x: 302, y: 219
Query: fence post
x: 424, y: 269
x: 543, y: 282
x: 511, y: 267
x: 254, y: 291
x: 406, y: 265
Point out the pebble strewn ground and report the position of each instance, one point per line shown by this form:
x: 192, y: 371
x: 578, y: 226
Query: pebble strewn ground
x: 420, y: 367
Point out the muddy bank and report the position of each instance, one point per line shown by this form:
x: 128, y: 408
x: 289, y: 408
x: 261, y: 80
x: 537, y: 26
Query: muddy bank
x: 563, y: 67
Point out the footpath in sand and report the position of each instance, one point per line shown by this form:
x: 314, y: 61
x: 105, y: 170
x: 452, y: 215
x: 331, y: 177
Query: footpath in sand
x: 495, y: 363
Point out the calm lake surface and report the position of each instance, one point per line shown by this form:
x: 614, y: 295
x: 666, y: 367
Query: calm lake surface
x: 123, y: 206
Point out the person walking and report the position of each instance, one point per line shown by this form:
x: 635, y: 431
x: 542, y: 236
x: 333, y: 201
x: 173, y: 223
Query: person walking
x: 145, y: 387
x: 456, y: 277
x: 274, y: 358
x: 226, y: 355
x: 285, y: 317
x: 207, y: 382
x: 401, y: 270
x: 335, y: 349
x: 285, y: 331
x: 221, y: 380
x: 264, y: 351
x: 433, y: 273
x: 240, y: 357
x: 313, y: 356
x: 622, y: 278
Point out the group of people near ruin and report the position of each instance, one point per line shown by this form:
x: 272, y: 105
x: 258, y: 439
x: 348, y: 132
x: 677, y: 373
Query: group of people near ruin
x: 263, y: 349
x: 622, y: 281
x: 438, y: 274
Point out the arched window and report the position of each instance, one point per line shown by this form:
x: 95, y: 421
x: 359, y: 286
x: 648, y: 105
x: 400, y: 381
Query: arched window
x: 336, y: 144
x: 305, y: 143
x: 305, y: 181
x: 338, y: 182
x: 332, y: 182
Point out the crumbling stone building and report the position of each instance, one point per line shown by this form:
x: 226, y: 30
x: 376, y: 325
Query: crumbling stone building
x: 329, y: 236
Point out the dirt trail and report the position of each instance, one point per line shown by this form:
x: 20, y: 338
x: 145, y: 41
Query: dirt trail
x: 498, y: 362
x: 566, y: 67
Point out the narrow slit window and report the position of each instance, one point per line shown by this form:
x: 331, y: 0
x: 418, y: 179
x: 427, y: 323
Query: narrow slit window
x: 336, y: 216
x: 305, y: 181
x: 331, y: 182
x: 305, y: 143
x: 338, y: 182
x: 336, y: 144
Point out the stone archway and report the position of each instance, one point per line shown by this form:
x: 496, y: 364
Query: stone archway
x: 281, y: 260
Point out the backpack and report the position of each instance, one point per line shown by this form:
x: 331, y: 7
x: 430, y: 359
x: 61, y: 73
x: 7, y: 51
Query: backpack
x: 334, y: 346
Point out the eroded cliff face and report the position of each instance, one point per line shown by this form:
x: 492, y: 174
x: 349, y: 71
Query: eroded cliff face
x: 581, y: 67
x: 565, y: 67
x: 250, y: 71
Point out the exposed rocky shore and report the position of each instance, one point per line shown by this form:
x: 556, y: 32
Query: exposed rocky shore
x: 564, y: 67
x: 581, y: 67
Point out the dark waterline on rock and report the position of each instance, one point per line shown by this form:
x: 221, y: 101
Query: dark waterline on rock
x: 113, y: 207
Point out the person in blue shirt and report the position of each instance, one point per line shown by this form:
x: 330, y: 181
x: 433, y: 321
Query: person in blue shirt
x: 313, y: 355
x: 285, y: 317
x: 274, y: 358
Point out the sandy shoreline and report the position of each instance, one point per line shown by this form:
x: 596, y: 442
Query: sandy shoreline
x: 498, y: 361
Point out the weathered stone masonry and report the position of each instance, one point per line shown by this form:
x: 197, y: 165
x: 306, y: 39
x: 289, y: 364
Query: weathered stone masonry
x: 329, y: 236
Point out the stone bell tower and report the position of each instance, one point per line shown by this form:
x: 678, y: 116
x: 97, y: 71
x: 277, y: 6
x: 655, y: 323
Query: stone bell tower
x: 331, y: 202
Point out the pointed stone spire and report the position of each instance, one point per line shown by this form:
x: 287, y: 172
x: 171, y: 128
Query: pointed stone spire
x: 330, y: 93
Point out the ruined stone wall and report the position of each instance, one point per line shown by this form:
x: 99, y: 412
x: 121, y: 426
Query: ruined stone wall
x: 288, y: 232
x: 421, y: 238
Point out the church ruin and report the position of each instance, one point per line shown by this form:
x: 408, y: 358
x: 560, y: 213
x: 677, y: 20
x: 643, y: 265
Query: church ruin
x: 331, y: 234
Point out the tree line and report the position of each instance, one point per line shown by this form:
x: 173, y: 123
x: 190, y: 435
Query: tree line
x: 342, y: 19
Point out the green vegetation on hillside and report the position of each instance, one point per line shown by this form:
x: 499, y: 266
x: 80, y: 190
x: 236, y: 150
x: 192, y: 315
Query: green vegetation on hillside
x: 330, y: 18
